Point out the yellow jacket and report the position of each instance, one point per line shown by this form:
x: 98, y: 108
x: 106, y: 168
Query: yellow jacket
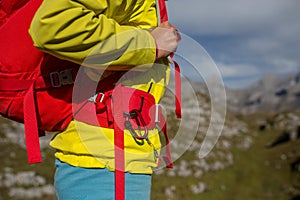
x: 102, y: 33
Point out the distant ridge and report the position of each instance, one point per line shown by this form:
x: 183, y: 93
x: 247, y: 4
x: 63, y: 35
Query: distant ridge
x: 273, y: 93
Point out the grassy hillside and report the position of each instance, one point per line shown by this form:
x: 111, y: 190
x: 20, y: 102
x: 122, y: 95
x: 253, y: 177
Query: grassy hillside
x: 258, y: 172
x: 18, y: 180
x: 239, y: 167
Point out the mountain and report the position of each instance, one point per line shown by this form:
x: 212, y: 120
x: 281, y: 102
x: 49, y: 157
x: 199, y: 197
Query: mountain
x: 238, y: 164
x: 270, y: 94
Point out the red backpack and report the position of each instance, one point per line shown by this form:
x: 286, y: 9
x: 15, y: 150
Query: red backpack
x: 35, y: 87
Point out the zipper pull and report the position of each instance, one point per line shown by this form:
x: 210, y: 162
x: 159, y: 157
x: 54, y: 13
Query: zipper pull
x: 154, y: 150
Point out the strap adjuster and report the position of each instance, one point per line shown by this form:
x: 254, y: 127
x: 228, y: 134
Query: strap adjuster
x: 61, y: 78
x: 98, y: 97
x: 157, y: 111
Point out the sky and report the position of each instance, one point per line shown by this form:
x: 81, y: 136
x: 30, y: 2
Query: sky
x: 245, y: 39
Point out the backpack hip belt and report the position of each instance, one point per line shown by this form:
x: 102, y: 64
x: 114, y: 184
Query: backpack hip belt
x: 138, y: 113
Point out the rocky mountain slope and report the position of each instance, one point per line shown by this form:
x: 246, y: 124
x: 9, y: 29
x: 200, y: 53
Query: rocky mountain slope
x: 271, y: 93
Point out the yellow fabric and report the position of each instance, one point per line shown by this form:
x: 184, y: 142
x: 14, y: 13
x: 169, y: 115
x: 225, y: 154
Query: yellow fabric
x: 90, y: 146
x: 114, y: 32
x: 99, y: 35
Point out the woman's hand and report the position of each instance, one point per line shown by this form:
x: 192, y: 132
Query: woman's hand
x: 166, y: 37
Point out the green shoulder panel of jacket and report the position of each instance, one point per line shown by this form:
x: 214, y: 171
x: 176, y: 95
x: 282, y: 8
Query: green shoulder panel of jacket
x: 118, y: 34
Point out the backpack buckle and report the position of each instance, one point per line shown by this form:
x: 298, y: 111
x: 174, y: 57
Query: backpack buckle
x: 61, y: 78
x: 98, y: 97
x: 135, y: 114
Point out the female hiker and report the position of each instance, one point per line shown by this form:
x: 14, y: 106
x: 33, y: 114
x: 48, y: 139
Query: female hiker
x: 110, y: 38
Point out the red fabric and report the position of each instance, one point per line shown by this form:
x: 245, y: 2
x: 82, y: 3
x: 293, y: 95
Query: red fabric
x: 177, y: 90
x: 14, y: 84
x: 31, y: 128
x: 8, y: 7
x: 17, y: 51
x: 167, y: 158
x: 119, y: 143
x: 163, y: 11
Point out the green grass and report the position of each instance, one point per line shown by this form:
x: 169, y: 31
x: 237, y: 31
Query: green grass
x: 258, y: 173
x: 14, y: 157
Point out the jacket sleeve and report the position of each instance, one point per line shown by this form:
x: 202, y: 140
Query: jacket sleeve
x: 78, y: 30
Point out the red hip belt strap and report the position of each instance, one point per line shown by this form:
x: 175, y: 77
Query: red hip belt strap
x: 138, y: 108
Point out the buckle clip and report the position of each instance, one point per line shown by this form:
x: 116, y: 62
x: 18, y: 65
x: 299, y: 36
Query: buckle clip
x: 135, y: 114
x: 61, y: 78
x: 98, y: 97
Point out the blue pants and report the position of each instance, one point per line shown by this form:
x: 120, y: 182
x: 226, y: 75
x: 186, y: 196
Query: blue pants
x: 75, y: 183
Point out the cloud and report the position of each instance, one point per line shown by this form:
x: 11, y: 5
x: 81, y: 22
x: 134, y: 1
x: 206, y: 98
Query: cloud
x: 251, y: 38
x: 237, y: 70
x: 232, y: 16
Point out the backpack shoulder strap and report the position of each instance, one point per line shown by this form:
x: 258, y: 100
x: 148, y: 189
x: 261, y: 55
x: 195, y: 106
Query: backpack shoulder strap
x: 163, y: 17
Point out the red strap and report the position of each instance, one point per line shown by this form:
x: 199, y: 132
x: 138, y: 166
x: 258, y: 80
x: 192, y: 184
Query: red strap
x: 177, y: 89
x: 163, y: 11
x: 119, y: 143
x: 167, y: 158
x: 164, y: 17
x: 14, y: 84
x: 31, y: 127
